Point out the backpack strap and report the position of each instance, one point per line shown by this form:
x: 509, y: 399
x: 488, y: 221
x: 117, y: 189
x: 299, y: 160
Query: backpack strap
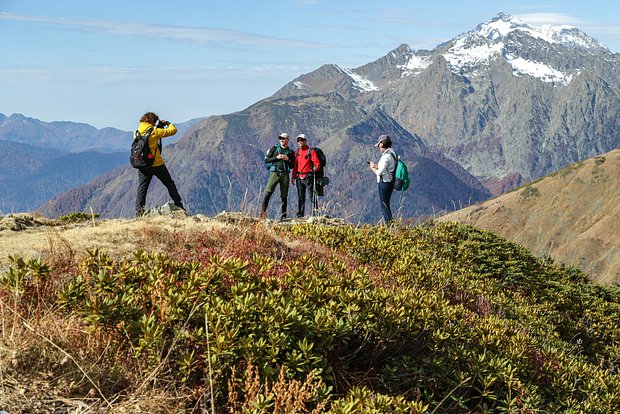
x: 396, y: 158
x: 290, y: 154
x: 148, y: 135
x: 308, y: 156
x: 285, y: 164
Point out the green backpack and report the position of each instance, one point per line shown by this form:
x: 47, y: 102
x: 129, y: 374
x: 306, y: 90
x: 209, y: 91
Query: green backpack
x: 401, y: 175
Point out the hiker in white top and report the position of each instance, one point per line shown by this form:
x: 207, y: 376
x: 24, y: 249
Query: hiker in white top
x: 384, y: 171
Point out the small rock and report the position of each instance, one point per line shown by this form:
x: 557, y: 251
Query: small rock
x: 167, y: 209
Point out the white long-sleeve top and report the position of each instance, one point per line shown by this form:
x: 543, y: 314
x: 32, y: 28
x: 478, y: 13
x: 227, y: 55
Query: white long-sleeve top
x: 386, y: 166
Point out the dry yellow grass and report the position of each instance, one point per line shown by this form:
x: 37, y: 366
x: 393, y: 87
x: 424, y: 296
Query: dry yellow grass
x: 118, y: 237
x: 571, y: 216
x: 35, y: 347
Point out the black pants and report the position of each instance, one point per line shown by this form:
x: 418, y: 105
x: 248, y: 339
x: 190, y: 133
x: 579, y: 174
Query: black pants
x: 385, y: 194
x: 145, y: 175
x: 305, y: 186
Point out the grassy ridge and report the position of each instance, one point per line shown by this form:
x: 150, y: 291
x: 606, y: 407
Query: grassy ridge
x: 435, y: 318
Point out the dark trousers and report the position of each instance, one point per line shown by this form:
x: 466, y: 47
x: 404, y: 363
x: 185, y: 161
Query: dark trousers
x: 275, y: 179
x: 145, y: 175
x: 385, y: 194
x: 304, y: 186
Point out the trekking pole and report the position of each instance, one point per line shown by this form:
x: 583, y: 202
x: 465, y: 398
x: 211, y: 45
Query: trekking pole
x: 314, y: 196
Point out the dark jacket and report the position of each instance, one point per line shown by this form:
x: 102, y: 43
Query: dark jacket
x: 280, y: 165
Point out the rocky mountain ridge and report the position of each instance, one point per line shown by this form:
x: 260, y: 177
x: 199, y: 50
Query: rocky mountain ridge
x: 508, y: 101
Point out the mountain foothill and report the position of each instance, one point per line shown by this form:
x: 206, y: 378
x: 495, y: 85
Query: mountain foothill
x: 483, y: 115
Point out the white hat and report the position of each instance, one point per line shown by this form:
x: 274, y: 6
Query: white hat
x: 283, y: 135
x: 301, y: 136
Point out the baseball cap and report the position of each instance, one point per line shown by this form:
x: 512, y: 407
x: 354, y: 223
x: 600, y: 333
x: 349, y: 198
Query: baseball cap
x: 283, y: 135
x: 383, y: 139
x: 301, y: 136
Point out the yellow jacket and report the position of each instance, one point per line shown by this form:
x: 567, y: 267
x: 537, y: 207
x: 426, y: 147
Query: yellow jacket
x: 156, y: 135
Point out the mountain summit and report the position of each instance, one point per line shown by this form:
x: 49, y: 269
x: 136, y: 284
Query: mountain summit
x: 503, y: 25
x: 524, y: 47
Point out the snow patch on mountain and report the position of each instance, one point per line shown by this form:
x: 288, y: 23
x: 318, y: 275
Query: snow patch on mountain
x: 300, y: 85
x: 538, y: 70
x: 414, y: 65
x: 462, y: 55
x: 361, y: 83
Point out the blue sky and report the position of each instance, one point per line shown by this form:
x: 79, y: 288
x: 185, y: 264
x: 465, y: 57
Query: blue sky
x: 107, y: 62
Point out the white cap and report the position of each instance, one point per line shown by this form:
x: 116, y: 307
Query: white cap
x: 301, y: 136
x: 283, y: 135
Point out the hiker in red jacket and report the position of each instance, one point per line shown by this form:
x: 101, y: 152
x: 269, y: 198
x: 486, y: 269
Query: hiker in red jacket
x: 306, y: 165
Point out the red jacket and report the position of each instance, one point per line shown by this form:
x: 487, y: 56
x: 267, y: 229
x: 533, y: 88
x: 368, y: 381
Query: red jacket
x: 304, y: 163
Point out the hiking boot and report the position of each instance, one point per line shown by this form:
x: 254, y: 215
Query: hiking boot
x: 179, y: 207
x: 263, y: 214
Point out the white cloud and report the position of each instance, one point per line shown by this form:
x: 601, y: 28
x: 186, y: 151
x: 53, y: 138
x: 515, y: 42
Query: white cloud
x: 197, y: 35
x: 552, y: 19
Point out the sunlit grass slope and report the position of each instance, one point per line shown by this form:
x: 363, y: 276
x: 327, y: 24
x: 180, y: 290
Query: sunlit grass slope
x: 435, y: 318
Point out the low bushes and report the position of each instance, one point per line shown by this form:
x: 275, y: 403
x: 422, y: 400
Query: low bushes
x: 441, y: 318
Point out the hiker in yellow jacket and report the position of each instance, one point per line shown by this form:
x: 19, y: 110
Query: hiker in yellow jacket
x: 161, y: 129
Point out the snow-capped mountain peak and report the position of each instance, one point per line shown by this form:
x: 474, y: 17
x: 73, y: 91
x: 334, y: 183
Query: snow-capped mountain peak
x: 556, y: 55
x: 503, y: 24
x: 489, y: 41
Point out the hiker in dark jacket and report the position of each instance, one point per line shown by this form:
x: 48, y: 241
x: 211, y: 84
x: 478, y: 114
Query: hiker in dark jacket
x: 161, y: 129
x: 282, y: 160
x: 384, y: 171
x: 306, y: 165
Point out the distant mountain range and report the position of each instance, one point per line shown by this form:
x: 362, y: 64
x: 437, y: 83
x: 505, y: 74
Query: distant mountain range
x: 62, y: 135
x: 31, y: 176
x: 71, y: 136
x: 43, y: 159
x: 492, y: 109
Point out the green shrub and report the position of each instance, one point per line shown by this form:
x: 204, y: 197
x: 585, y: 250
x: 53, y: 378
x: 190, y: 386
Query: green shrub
x: 77, y: 217
x: 433, y: 318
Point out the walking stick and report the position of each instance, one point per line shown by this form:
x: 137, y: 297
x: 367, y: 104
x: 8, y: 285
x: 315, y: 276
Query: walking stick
x: 314, y: 196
